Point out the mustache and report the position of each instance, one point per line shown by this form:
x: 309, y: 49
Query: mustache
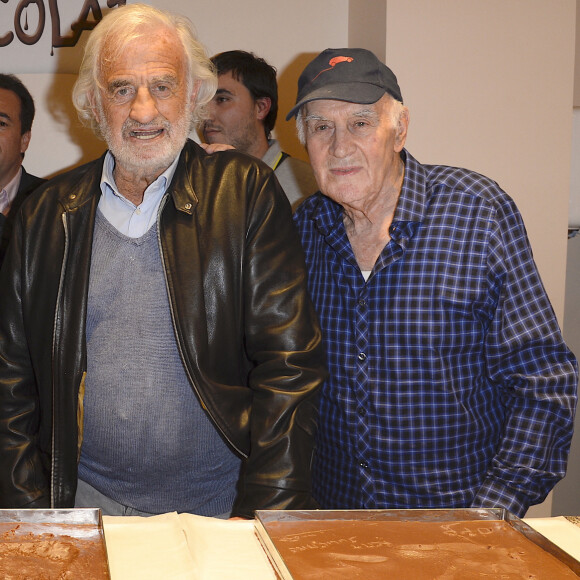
x: 131, y: 125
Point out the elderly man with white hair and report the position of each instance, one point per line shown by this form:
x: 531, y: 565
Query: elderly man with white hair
x: 158, y: 348
x: 450, y: 384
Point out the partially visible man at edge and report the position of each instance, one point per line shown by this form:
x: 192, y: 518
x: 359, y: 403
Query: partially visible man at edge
x: 450, y: 384
x: 243, y: 113
x: 158, y: 349
x: 16, y: 116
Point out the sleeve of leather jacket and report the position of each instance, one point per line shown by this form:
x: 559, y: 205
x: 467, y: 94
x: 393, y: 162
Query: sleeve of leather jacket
x: 23, y: 470
x: 284, y: 343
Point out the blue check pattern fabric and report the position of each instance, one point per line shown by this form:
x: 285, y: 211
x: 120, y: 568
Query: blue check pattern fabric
x: 450, y: 384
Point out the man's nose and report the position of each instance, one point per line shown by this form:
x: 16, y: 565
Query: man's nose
x: 144, y: 108
x: 342, y: 142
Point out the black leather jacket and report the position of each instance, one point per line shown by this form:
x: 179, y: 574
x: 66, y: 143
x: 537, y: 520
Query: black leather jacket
x: 246, y: 329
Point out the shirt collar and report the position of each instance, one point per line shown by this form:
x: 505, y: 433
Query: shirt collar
x: 11, y: 187
x: 413, y: 197
x: 154, y: 191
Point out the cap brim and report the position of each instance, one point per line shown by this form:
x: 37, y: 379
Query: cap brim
x: 363, y: 93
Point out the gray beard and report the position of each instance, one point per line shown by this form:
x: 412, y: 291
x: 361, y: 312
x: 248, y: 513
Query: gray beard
x: 129, y: 157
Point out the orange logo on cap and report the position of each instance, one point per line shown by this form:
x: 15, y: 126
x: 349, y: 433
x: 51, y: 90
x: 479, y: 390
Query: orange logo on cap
x: 333, y: 62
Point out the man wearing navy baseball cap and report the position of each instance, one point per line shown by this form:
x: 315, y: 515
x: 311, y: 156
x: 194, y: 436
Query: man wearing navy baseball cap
x: 450, y: 384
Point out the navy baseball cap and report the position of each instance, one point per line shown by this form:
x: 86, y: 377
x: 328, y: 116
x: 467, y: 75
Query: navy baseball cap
x: 355, y: 75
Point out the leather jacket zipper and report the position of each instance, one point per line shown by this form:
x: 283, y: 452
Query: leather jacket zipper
x: 54, y: 349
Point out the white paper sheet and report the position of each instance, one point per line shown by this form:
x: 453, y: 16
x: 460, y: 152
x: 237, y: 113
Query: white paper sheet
x: 151, y: 548
x: 560, y: 531
x: 225, y: 549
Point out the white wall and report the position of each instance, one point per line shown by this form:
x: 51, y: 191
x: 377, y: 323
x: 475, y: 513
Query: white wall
x: 276, y: 29
x: 286, y: 33
x: 490, y: 87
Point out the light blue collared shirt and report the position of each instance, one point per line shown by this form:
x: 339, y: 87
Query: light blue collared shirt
x: 131, y: 220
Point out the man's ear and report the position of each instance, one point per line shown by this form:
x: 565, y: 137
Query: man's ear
x: 24, y: 142
x: 401, y: 130
x: 263, y: 105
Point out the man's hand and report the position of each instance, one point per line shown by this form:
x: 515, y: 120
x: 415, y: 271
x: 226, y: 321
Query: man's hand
x: 213, y: 147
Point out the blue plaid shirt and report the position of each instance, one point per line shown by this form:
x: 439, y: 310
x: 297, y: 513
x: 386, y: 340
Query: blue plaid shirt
x: 450, y: 384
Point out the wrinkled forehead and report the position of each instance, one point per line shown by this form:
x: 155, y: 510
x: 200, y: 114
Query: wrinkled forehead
x: 144, y: 43
x: 334, y: 108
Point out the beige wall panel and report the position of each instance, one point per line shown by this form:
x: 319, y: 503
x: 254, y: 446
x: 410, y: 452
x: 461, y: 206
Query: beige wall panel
x: 489, y: 85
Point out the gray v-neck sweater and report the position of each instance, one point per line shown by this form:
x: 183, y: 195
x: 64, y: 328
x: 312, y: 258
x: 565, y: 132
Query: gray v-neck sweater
x: 147, y: 444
